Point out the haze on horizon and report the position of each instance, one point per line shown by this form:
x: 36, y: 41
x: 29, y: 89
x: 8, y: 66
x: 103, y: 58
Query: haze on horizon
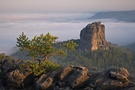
x: 65, y: 5
x: 13, y: 24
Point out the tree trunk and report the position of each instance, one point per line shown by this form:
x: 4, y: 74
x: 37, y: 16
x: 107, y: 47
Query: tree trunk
x: 45, y: 58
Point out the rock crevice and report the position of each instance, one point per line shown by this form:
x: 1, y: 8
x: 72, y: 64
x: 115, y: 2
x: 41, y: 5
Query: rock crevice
x: 68, y: 78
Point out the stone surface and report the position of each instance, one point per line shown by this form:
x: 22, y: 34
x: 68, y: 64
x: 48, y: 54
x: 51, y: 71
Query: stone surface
x: 65, y: 73
x: 9, y: 65
x: 18, y: 79
x: 112, y: 79
x: 92, y: 37
x: 74, y: 77
x: 68, y: 78
x: 15, y: 79
x: 12, y: 76
x: 44, y: 83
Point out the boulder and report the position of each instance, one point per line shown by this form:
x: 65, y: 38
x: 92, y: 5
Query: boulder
x: 8, y: 65
x: 17, y: 79
x: 44, y: 83
x: 18, y: 75
x: 111, y: 79
x: 74, y: 77
x: 66, y: 72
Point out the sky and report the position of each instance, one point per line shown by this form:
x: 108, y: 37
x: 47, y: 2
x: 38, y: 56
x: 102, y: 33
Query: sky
x: 65, y: 5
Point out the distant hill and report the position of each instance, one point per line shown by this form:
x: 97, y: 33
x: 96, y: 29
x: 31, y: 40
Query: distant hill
x: 131, y: 46
x: 127, y: 16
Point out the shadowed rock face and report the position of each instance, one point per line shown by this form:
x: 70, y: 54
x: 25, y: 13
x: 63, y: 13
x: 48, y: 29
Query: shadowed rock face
x: 92, y: 37
x: 68, y: 78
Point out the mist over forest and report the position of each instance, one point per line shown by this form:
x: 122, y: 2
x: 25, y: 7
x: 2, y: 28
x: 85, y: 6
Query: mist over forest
x: 67, y: 45
x: 65, y: 25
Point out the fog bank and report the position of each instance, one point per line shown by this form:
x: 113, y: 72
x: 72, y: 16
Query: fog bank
x: 64, y: 25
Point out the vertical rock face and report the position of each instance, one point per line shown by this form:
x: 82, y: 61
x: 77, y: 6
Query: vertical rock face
x: 92, y: 37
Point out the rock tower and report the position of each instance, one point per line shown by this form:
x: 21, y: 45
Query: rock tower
x: 92, y: 37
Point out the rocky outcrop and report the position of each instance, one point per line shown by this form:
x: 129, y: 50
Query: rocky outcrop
x: 68, y: 78
x: 112, y: 79
x: 19, y: 80
x: 9, y: 65
x: 92, y: 37
x: 12, y: 76
x: 80, y: 78
x: 75, y: 77
x: 44, y: 83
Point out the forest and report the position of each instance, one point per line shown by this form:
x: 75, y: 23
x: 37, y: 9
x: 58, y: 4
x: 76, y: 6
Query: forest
x: 115, y: 56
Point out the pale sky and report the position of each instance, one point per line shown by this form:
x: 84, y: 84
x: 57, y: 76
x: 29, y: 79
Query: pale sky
x: 66, y: 5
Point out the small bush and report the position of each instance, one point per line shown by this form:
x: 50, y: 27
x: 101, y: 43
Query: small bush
x: 39, y: 69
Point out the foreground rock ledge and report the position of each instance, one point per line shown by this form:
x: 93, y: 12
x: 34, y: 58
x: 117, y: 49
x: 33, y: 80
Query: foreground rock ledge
x: 68, y: 78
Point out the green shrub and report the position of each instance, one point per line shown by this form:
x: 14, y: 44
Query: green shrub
x: 37, y: 68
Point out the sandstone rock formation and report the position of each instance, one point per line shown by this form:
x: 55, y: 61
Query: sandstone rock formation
x: 43, y: 83
x: 17, y: 79
x: 68, y: 78
x: 75, y: 77
x: 92, y: 37
x: 11, y: 76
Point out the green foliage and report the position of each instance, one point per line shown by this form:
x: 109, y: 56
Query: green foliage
x: 43, y: 46
x: 70, y: 45
x: 50, y: 66
x: 4, y: 56
x: 37, y: 69
x: 40, y: 49
x: 115, y: 56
